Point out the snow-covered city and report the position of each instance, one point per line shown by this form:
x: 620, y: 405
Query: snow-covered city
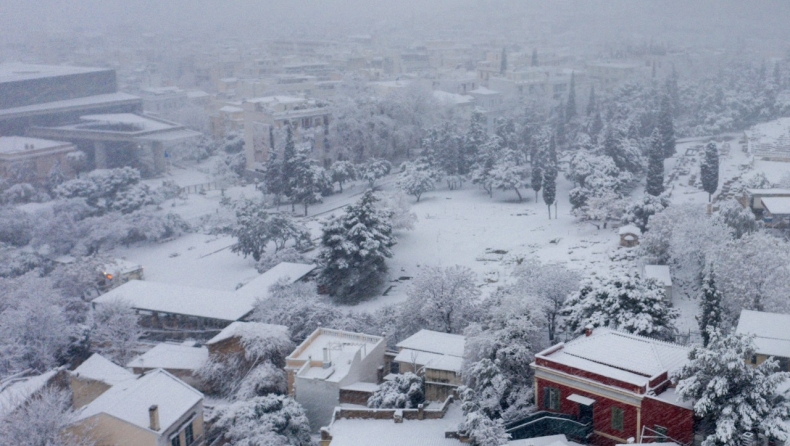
x: 394, y: 223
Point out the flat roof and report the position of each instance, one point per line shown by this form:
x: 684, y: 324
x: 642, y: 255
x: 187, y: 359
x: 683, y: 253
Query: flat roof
x: 21, y: 144
x: 15, y: 72
x: 770, y: 330
x: 67, y: 104
x: 435, y: 361
x: 341, y: 348
x: 171, y: 357
x: 435, y: 342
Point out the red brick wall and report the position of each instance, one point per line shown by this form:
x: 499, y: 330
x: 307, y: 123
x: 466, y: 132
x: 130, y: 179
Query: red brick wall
x: 678, y: 420
x: 602, y: 413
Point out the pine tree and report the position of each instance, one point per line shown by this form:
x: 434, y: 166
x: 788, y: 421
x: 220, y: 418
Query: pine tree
x: 289, y: 165
x: 711, y: 311
x: 535, y: 57
x: 709, y: 170
x: 550, y: 177
x: 503, y: 62
x: 596, y: 126
x: 354, y: 247
x: 655, y: 166
x: 559, y: 131
x: 666, y: 127
x: 537, y: 177
x: 570, y: 105
x: 473, y: 141
x: 591, y: 104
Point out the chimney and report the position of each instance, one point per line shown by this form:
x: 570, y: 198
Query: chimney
x: 327, y: 362
x: 153, y: 416
x: 588, y: 330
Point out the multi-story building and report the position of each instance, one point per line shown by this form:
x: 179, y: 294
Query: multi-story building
x: 32, y: 159
x: 615, y: 386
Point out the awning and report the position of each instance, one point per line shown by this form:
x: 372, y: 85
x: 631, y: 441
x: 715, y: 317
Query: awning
x: 576, y: 398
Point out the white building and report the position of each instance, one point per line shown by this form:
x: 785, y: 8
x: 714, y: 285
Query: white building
x: 662, y: 276
x: 328, y: 360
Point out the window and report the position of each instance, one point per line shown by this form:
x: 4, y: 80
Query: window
x: 661, y: 433
x: 551, y: 398
x: 189, y: 436
x: 176, y: 441
x: 754, y: 359
x: 617, y: 418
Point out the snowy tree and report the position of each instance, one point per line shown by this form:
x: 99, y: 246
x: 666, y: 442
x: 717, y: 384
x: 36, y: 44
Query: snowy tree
x: 342, y: 172
x: 509, y: 172
x: 223, y: 174
x: 400, y: 206
x: 591, y: 102
x: 109, y: 190
x: 753, y: 273
x: 298, y: 307
x: 570, y: 104
x: 288, y: 166
x: 404, y: 391
x: 739, y: 219
x: 709, y: 169
x: 414, y: 181
x: 711, y: 314
x: 15, y: 226
x: 115, y: 331
x: 473, y: 142
x: 373, y: 170
x: 288, y: 254
x: 43, y: 421
x: 77, y: 162
x: 483, y: 431
x: 639, y: 211
x: 655, y: 165
x: 729, y: 395
x: 550, y: 284
x: 666, y: 128
x: 488, y: 154
x: 255, y: 229
x: 263, y: 379
x: 757, y: 180
x: 623, y: 301
x: 271, y: 420
x: 273, y: 179
x: 354, y: 247
x: 602, y: 208
x: 503, y: 62
x: 550, y: 186
x: 536, y: 178
x: 442, y: 299
x: 309, y: 180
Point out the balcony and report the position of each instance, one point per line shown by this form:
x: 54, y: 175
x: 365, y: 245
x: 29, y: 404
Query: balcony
x: 544, y: 423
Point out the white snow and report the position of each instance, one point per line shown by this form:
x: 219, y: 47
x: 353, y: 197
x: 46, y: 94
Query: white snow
x: 770, y: 329
x: 435, y: 342
x: 777, y: 205
x: 129, y: 401
x: 99, y: 368
x: 434, y: 361
x: 246, y: 329
x: 549, y: 440
x: 629, y: 229
x: 340, y: 346
x: 660, y: 273
x: 259, y: 286
x: 171, y: 357
x: 17, y: 392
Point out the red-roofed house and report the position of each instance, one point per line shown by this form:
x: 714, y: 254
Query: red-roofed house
x: 617, y: 382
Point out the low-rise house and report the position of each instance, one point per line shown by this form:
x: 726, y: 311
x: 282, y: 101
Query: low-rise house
x: 754, y: 197
x: 327, y: 361
x: 438, y: 356
x: 94, y: 377
x: 612, y: 386
x: 771, y: 336
x: 662, y: 275
x: 629, y: 236
x: 33, y: 157
x: 153, y: 409
x: 181, y: 360
x: 231, y: 339
x: 119, y: 271
x: 16, y: 391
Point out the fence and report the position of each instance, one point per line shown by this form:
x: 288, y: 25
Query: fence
x: 202, y: 187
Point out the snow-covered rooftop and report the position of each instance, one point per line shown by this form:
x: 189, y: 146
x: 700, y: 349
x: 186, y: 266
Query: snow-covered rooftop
x: 361, y: 387
x: 129, y: 401
x: 99, y: 368
x: 484, y: 91
x: 768, y: 192
x: 435, y: 342
x: 144, y: 124
x: 453, y: 98
x: 171, y: 357
x: 629, y: 229
x: 67, y: 104
x: 203, y: 302
x: 777, y: 205
x: 622, y: 356
x: 548, y: 440
x: 770, y: 330
x: 434, y: 361
x: 15, y: 72
x: 245, y: 329
x: 22, y: 144
x: 340, y: 346
x: 360, y: 432
x: 15, y: 394
x: 660, y: 273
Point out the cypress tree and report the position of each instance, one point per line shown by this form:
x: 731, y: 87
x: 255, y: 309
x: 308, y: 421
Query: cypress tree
x: 711, y: 312
x: 596, y: 126
x: 666, y: 127
x: 535, y: 57
x: 591, y: 105
x: 289, y: 164
x: 550, y: 177
x: 503, y: 62
x: 655, y: 166
x: 537, y: 175
x: 709, y: 170
x: 570, y: 106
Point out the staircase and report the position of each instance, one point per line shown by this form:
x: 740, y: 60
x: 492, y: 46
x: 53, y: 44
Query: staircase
x: 540, y: 424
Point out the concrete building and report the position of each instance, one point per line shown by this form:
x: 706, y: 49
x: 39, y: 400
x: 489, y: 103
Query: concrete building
x: 33, y: 159
x: 308, y: 118
x: 327, y: 361
x: 46, y: 95
x: 163, y: 100
x: 438, y: 356
x: 123, y: 139
x: 607, y: 75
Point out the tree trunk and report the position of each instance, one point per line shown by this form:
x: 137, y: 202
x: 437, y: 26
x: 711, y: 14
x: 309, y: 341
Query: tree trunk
x: 305, y: 209
x: 549, y: 206
x: 518, y: 193
x: 555, y: 209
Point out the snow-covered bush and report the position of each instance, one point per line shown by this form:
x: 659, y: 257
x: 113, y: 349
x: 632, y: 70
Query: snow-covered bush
x: 15, y: 227
x: 21, y: 193
x: 399, y: 205
x: 42, y: 421
x: 342, y: 172
x: 442, y: 299
x: 740, y: 219
x: 731, y: 396
x: 483, y: 431
x: 264, y: 421
x: 373, y: 170
x: 415, y: 181
x: 639, y: 211
x: 108, y: 190
x: 550, y: 285
x: 404, y: 391
x: 623, y: 301
x: 264, y: 379
x: 115, y: 331
x: 288, y: 254
x: 255, y: 229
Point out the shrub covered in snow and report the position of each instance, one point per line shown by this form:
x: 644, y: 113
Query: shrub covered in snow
x: 115, y: 331
x: 405, y: 391
x: 271, y: 420
x: 107, y: 190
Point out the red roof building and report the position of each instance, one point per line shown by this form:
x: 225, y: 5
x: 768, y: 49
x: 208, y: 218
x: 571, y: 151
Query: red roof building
x: 619, y: 383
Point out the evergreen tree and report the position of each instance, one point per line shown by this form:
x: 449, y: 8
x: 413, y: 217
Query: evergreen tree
x: 591, y: 105
x: 309, y: 180
x: 665, y: 127
x: 503, y: 62
x: 473, y: 141
x: 537, y: 177
x: 271, y: 140
x: 570, y: 105
x: 596, y: 126
x: 655, y: 166
x: 535, y: 57
x: 550, y: 178
x: 288, y: 169
x: 559, y: 131
x: 709, y: 169
x: 674, y: 92
x: 711, y: 311
x: 354, y: 247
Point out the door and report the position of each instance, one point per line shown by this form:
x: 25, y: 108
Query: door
x: 585, y: 413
